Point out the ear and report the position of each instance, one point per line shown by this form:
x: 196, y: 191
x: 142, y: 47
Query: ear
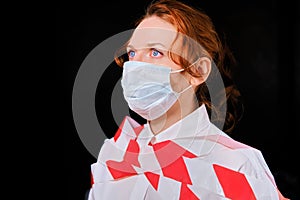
x: 202, y: 69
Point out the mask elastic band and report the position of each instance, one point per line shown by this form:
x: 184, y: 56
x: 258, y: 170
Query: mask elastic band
x: 180, y: 70
x: 185, y: 89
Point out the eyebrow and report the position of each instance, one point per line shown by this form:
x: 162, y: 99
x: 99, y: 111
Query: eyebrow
x: 150, y: 44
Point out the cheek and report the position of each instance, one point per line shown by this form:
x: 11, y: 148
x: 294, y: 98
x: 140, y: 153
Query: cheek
x: 170, y: 63
x: 179, y: 82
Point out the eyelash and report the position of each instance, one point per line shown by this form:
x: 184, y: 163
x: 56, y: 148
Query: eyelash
x: 155, y: 50
x: 129, y: 52
x: 152, y: 51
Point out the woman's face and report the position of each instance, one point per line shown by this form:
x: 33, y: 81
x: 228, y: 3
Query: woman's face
x: 151, y: 42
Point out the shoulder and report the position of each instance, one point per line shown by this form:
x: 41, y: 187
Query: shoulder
x: 237, y: 154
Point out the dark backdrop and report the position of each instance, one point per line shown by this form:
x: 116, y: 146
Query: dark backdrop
x: 263, y: 36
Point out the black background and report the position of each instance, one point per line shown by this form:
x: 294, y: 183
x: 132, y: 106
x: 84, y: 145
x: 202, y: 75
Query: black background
x: 263, y: 36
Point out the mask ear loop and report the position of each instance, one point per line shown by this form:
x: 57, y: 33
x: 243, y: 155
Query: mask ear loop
x: 176, y: 71
x: 185, y: 89
x: 180, y: 70
x: 194, y: 62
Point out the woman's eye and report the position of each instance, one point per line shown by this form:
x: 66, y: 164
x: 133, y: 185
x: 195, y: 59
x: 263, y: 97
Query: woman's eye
x: 131, y: 54
x: 156, y: 53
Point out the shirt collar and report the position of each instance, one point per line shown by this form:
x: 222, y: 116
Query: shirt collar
x: 189, y: 132
x: 192, y: 125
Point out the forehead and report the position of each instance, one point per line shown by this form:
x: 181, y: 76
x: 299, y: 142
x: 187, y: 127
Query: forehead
x: 153, y: 30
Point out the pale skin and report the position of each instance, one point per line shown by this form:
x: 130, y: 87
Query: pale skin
x: 150, y: 42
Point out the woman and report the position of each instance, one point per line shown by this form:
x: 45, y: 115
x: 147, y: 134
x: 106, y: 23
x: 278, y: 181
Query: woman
x: 181, y: 152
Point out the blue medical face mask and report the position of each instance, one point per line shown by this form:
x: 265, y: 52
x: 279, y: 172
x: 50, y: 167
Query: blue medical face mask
x: 147, y: 88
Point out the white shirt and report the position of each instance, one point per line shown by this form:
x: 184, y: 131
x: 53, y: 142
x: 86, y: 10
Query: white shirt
x: 192, y: 159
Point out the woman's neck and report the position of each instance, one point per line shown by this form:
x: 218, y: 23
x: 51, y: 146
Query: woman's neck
x: 185, y: 105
